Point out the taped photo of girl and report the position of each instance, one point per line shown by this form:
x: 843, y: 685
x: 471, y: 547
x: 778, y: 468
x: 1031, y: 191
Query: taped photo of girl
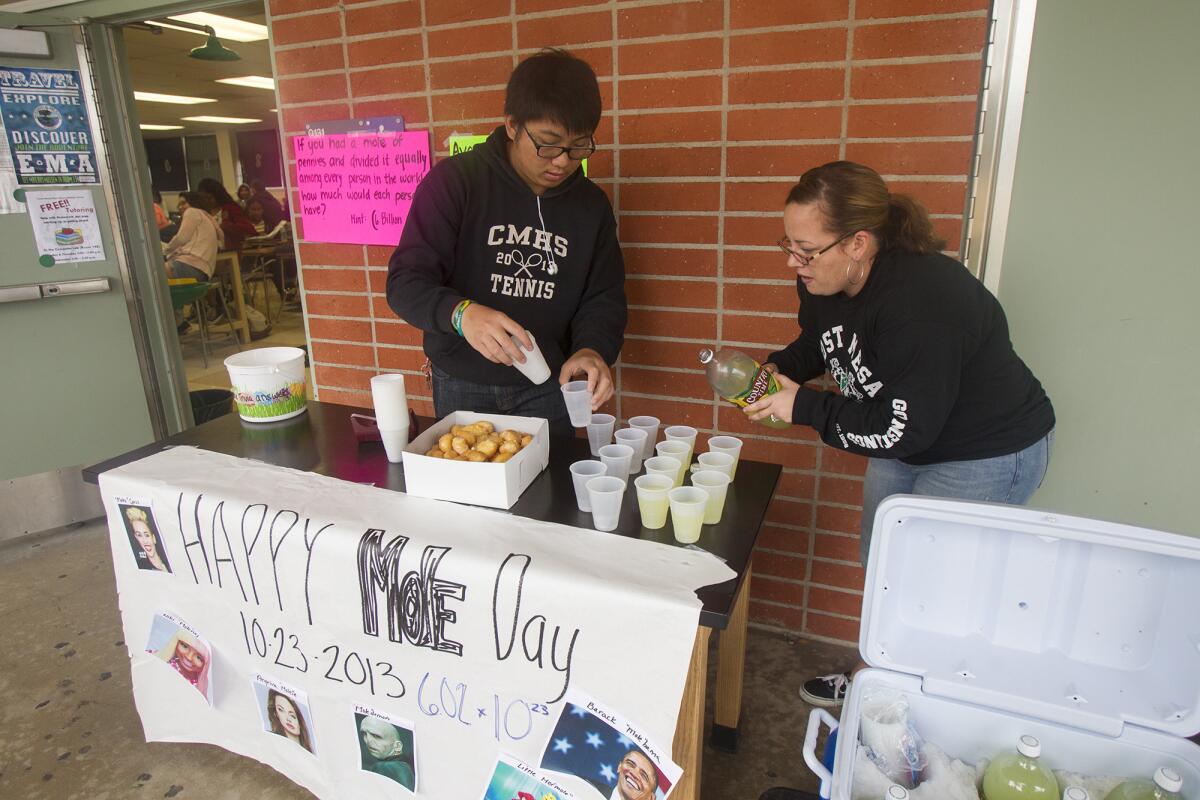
x: 144, y: 539
x: 284, y: 712
x: 181, y: 650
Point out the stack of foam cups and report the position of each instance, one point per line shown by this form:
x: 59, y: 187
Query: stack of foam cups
x: 391, y: 413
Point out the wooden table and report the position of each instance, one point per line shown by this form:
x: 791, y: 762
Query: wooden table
x: 231, y: 259
x: 322, y: 441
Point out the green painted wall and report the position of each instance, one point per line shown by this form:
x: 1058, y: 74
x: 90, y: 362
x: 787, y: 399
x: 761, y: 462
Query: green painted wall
x: 72, y: 389
x: 1100, y: 278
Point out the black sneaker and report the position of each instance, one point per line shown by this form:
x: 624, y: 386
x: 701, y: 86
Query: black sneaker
x: 183, y: 327
x: 826, y: 691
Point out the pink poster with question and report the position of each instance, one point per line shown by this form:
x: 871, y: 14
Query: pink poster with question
x: 358, y: 189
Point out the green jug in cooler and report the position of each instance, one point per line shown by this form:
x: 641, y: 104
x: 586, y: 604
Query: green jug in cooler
x: 1020, y: 775
x: 1167, y: 785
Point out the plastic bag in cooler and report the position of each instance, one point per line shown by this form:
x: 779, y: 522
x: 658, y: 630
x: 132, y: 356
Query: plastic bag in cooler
x: 891, y: 742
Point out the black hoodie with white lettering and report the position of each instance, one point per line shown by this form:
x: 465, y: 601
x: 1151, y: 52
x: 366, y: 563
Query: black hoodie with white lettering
x: 476, y: 231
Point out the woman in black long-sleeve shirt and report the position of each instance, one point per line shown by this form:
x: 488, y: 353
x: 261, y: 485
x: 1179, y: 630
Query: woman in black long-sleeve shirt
x: 929, y: 386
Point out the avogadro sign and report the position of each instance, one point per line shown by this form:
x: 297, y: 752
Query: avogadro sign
x: 46, y: 124
x: 356, y: 638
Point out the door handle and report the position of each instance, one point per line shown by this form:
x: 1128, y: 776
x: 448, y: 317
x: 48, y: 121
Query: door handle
x: 38, y: 291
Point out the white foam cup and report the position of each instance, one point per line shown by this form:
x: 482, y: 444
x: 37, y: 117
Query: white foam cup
x: 394, y: 443
x: 391, y: 402
x: 535, y: 367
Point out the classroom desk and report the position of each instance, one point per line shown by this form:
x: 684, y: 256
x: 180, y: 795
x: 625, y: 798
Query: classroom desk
x: 322, y: 441
x: 231, y: 260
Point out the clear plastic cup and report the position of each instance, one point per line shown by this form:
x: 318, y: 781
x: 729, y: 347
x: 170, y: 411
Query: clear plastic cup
x: 616, y: 458
x: 717, y: 486
x: 653, y: 503
x: 687, y: 511
x: 716, y: 462
x: 650, y: 426
x: 662, y: 465
x: 683, y: 433
x: 606, y: 494
x: 535, y: 367
x: 600, y: 431
x: 581, y: 473
x: 677, y: 451
x: 730, y: 446
x: 579, y: 403
x: 637, y: 440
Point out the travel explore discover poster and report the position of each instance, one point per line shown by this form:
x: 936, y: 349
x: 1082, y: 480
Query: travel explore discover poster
x: 46, y: 124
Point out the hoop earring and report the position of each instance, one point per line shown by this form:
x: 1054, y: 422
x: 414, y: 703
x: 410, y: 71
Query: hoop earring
x: 861, y: 270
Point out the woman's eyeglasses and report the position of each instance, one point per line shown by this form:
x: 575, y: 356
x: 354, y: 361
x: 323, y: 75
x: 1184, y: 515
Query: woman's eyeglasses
x: 805, y: 257
x: 552, y: 151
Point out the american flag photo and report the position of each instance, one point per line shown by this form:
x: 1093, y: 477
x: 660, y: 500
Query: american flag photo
x: 587, y: 746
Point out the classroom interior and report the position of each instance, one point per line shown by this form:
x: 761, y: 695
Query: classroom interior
x: 202, y: 118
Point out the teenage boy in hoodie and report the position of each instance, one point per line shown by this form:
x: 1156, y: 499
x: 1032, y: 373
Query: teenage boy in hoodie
x: 509, y: 237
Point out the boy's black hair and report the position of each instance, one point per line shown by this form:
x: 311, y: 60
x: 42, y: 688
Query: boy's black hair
x: 557, y: 86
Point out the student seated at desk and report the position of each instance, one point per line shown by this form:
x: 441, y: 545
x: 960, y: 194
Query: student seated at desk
x: 192, y: 252
x: 254, y: 212
x: 273, y: 212
x: 166, y: 228
x: 230, y: 215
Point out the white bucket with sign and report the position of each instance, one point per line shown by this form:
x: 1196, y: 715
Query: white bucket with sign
x: 268, y: 383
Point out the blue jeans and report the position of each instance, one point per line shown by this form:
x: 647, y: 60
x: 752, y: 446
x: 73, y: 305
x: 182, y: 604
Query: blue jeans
x: 1004, y: 479
x: 182, y: 270
x: 452, y: 394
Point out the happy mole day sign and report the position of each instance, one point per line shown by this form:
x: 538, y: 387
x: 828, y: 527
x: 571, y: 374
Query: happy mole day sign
x: 369, y: 644
x: 358, y: 188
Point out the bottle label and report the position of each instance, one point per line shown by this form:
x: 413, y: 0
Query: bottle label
x: 762, y: 385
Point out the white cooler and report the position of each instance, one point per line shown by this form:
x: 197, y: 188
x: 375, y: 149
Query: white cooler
x: 995, y: 621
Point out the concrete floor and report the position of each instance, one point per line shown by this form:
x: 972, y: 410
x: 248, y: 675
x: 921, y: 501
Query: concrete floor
x: 70, y: 729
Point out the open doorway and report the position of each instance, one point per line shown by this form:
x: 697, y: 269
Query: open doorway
x: 206, y: 114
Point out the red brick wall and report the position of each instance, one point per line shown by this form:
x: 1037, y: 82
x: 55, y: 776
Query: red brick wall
x: 713, y: 109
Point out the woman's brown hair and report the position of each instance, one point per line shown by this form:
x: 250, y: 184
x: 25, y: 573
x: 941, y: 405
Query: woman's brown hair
x: 853, y: 197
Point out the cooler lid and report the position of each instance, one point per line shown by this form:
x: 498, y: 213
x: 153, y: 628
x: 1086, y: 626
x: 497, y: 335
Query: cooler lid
x: 1085, y: 623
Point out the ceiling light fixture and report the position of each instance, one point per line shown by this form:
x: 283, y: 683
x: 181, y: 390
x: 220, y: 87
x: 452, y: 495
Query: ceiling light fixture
x: 177, y: 99
x: 251, y: 81
x: 225, y: 120
x: 147, y: 127
x: 234, y: 30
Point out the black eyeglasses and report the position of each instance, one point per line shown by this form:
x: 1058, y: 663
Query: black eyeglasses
x: 552, y: 151
x: 805, y: 258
